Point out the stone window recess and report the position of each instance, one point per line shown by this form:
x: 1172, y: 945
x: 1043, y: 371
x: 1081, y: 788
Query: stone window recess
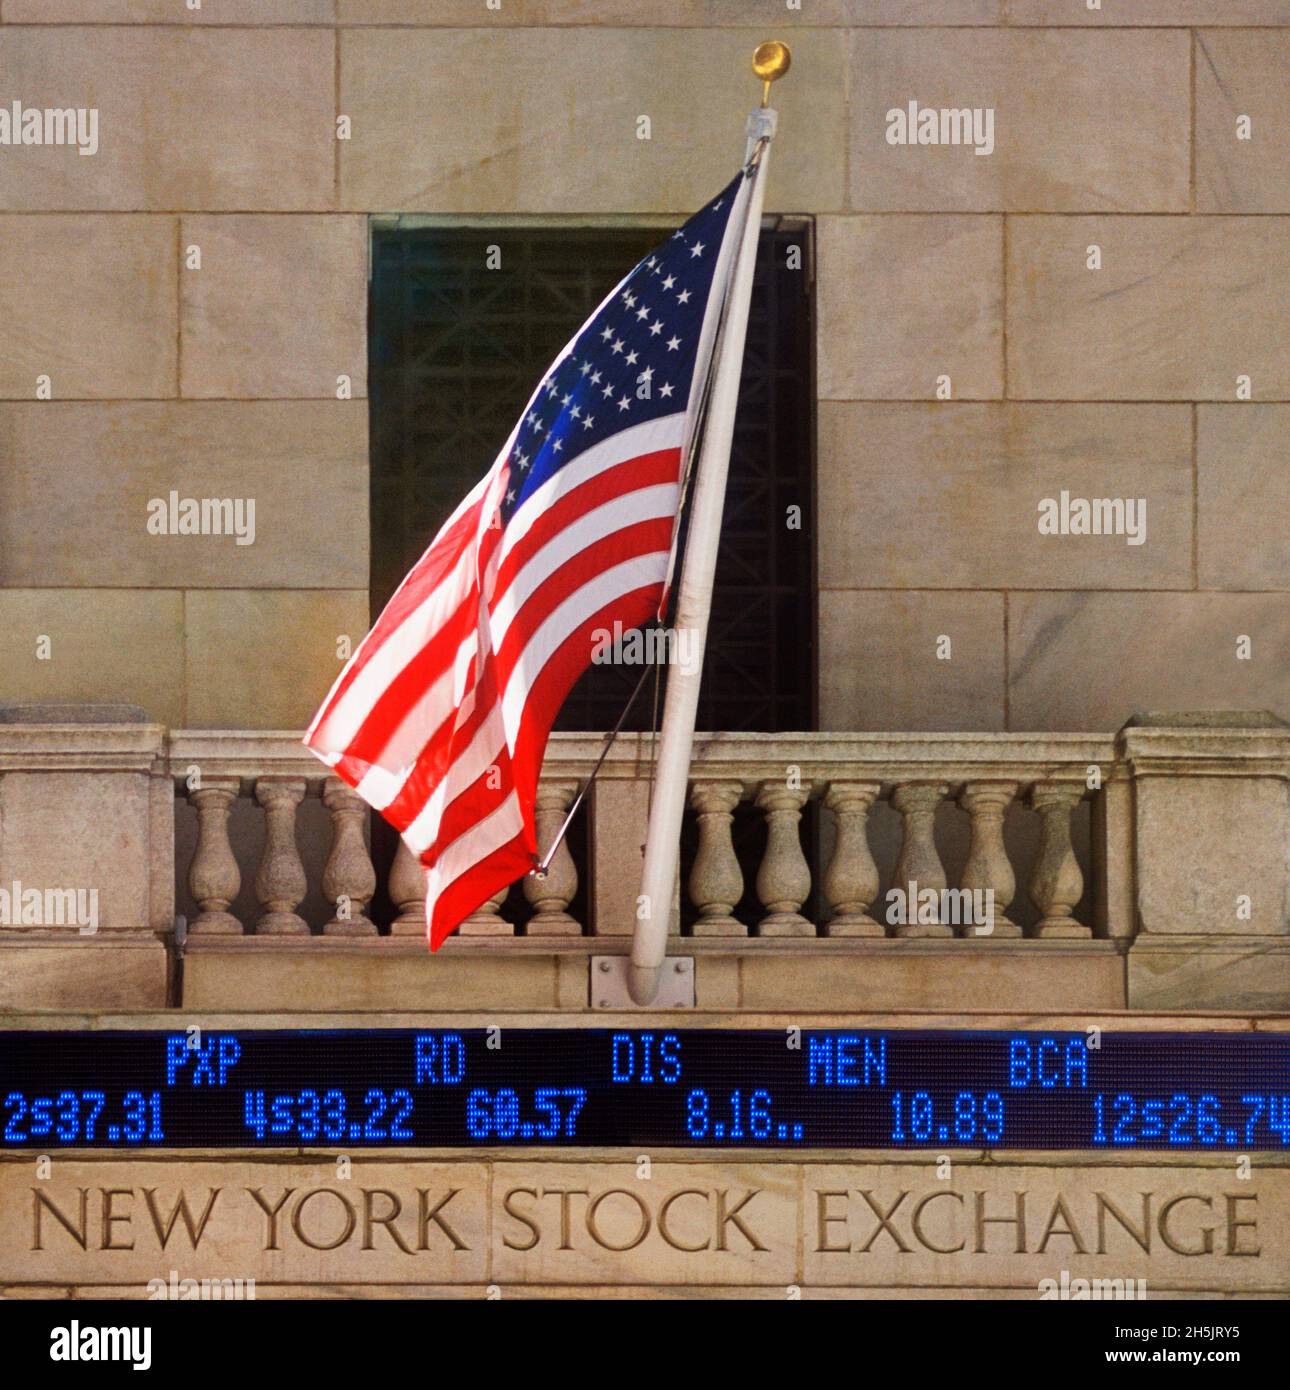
x: 464, y: 320
x: 455, y: 350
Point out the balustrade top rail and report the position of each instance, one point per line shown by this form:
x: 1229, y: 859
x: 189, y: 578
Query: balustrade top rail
x: 751, y: 757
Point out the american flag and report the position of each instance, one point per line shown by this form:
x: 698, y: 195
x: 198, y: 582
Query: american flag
x: 441, y: 717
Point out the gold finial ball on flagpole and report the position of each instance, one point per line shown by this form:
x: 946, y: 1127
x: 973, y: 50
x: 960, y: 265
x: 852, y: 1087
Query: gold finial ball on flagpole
x: 770, y: 62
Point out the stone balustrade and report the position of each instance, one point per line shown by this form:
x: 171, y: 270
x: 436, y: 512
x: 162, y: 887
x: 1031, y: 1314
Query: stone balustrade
x: 1146, y: 869
x: 937, y: 789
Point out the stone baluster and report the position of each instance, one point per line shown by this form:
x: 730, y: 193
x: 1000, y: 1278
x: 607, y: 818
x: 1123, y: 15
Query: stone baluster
x: 408, y: 893
x: 213, y: 877
x: 988, y: 870
x: 1057, y: 882
x: 280, y: 881
x: 784, y: 877
x: 349, y: 880
x: 918, y: 866
x: 851, y: 880
x: 716, y: 880
x: 550, y: 894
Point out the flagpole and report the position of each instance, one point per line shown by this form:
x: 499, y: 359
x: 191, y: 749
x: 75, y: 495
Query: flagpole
x: 694, y: 595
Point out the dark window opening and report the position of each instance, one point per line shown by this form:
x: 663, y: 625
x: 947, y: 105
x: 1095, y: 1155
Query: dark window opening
x: 455, y: 349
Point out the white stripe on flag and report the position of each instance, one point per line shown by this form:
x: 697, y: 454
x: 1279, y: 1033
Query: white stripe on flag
x: 630, y: 509
x: 501, y: 825
x: 637, y: 440
x: 471, y: 763
x: 567, y: 617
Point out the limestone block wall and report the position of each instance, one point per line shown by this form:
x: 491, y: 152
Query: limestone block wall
x: 1097, y: 306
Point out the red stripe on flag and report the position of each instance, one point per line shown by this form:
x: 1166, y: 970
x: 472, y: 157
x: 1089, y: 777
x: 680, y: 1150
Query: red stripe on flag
x: 631, y: 475
x: 642, y: 538
x: 558, y: 676
x: 461, y: 897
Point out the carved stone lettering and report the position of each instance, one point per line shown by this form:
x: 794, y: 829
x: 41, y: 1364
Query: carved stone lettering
x: 1182, y: 1223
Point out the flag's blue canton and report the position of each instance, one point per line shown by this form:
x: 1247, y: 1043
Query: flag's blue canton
x: 647, y: 333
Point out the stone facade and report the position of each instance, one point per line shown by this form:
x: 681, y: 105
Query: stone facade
x: 970, y: 363
x: 1093, y: 309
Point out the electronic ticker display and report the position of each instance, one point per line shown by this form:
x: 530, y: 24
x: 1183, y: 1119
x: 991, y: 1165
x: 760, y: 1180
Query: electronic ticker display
x: 666, y: 1087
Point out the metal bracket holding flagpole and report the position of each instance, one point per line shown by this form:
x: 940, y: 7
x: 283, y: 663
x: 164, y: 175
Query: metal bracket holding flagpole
x: 694, y: 599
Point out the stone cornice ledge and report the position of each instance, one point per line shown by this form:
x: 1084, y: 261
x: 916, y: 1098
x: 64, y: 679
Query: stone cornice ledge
x: 245, y: 753
x: 1236, y: 745
x: 1215, y: 745
x: 796, y: 947
x: 1127, y: 1020
x: 82, y: 747
x: 751, y: 757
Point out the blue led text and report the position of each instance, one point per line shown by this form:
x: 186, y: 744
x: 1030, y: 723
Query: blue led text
x: 441, y: 1058
x: 210, y: 1060
x: 846, y: 1059
x: 644, y: 1059
x: 1049, y: 1062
